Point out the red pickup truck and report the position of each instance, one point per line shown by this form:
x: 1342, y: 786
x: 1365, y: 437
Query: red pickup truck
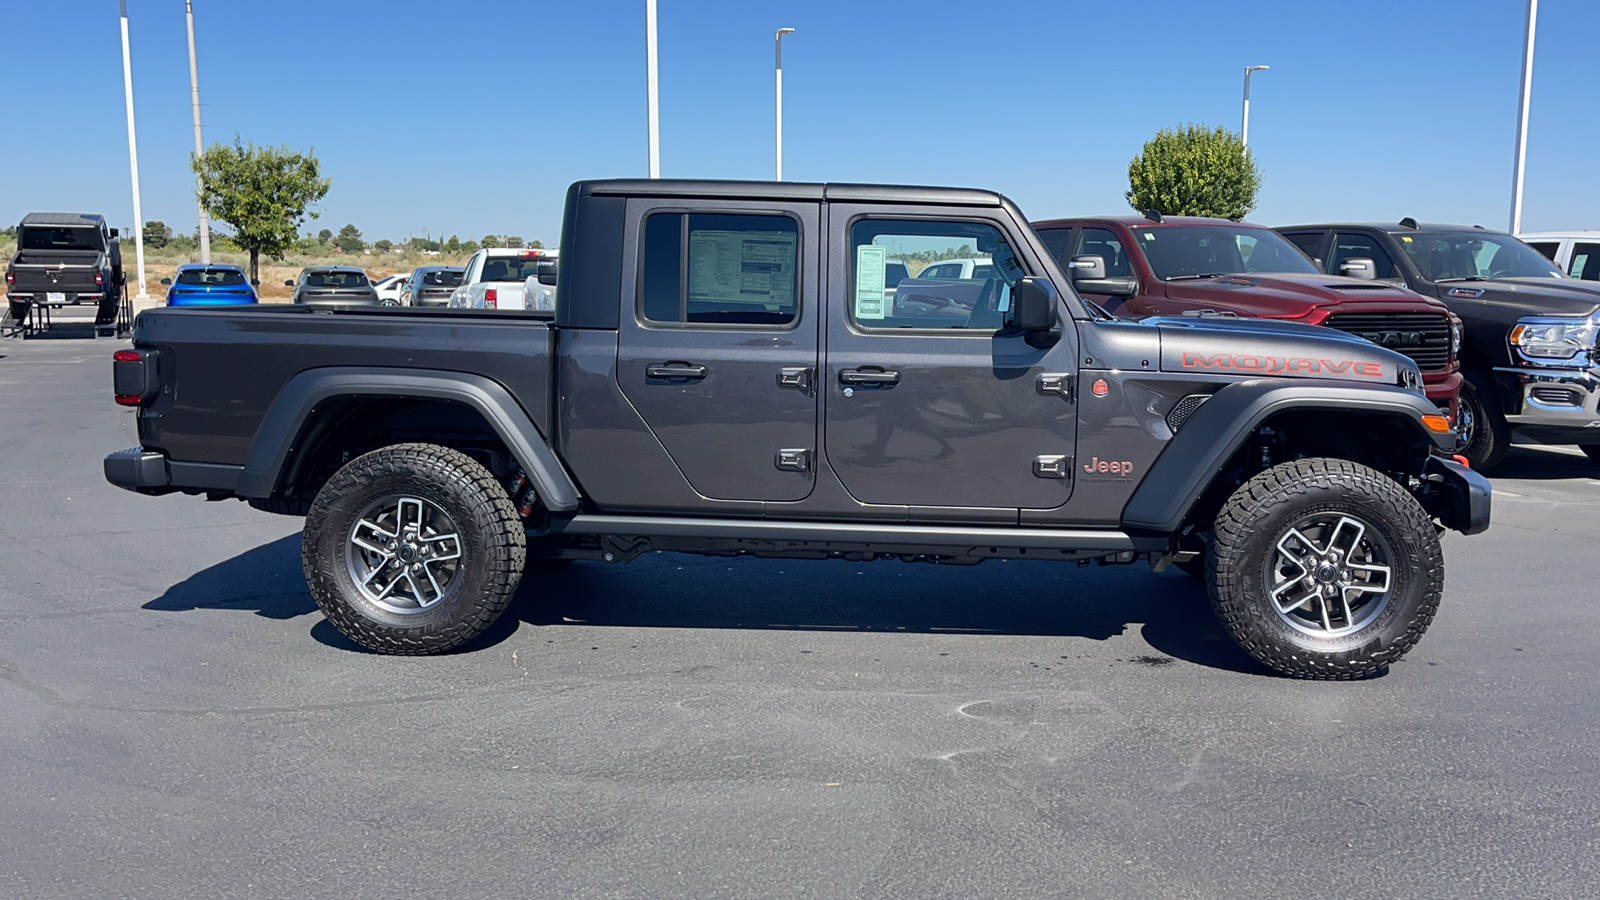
x: 1153, y: 265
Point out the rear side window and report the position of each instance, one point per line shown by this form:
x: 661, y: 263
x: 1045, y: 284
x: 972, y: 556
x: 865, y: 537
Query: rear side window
x: 1357, y: 246
x: 720, y: 269
x: 1546, y: 248
x: 441, y: 279
x: 1102, y: 243
x: 1309, y: 242
x: 211, y: 277
x: 1585, y: 262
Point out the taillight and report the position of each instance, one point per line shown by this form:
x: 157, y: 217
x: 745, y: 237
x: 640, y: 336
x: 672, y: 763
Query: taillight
x: 99, y: 280
x: 11, y: 278
x: 491, y: 298
x: 126, y: 356
x: 133, y: 377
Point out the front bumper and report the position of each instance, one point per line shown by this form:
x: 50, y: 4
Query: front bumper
x: 1455, y: 495
x: 1540, y: 397
x: 1444, y: 389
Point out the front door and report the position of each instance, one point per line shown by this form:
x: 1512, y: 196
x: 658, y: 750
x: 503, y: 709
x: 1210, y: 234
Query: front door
x: 928, y: 402
x: 720, y: 354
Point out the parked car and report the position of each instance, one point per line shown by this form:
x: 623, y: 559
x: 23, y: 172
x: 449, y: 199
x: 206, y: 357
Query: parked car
x: 1576, y: 253
x: 1529, y: 348
x: 333, y: 286
x: 497, y: 278
x: 65, y: 259
x: 431, y: 286
x: 388, y: 289
x: 197, y: 284
x: 719, y: 380
x: 1172, y: 265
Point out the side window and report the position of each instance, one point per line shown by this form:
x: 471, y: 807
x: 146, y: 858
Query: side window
x: 931, y: 300
x: 720, y: 269
x: 1585, y: 262
x: 1309, y: 242
x: 1106, y: 245
x: 1546, y: 248
x: 1353, y: 246
x: 1055, y: 242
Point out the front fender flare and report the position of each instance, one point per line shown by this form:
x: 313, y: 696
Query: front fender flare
x: 1211, y: 435
x: 286, y: 418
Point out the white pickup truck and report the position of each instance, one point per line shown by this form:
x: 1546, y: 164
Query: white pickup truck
x: 505, y: 279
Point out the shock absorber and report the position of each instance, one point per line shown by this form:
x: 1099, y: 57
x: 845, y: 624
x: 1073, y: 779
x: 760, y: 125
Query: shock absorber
x: 522, y: 496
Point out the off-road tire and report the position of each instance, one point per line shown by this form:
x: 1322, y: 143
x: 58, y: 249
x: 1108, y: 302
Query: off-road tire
x: 492, y: 548
x: 1251, y: 523
x: 1591, y: 450
x: 1491, y: 438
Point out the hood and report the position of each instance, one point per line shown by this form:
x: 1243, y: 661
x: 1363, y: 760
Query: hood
x: 1529, y: 296
x: 1277, y: 349
x: 1290, y: 295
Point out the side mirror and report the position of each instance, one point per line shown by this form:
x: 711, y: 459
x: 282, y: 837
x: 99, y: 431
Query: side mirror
x: 1359, y: 267
x: 548, y: 267
x: 1089, y: 277
x: 113, y: 232
x: 1090, y: 267
x: 166, y: 281
x: 1034, y: 302
x: 288, y: 282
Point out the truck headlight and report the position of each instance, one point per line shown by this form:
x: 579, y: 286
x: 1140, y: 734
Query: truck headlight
x: 1554, y: 340
x: 1455, y: 336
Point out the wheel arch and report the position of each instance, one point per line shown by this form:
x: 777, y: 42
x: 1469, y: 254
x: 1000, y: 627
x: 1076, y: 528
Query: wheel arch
x: 299, y: 424
x: 1214, y: 445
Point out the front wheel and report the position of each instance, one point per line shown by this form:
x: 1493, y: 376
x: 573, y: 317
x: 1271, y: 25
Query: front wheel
x: 1483, y: 436
x: 1325, y: 569
x: 412, y: 549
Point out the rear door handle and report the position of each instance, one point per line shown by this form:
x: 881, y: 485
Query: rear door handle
x: 869, y: 375
x: 675, y: 370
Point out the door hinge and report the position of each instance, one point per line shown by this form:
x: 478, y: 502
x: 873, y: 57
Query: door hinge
x: 1063, y: 384
x: 794, y: 460
x: 796, y: 377
x: 1053, y: 466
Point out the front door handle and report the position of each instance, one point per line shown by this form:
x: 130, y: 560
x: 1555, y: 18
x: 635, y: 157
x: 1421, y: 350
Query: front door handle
x: 869, y: 375
x: 675, y: 370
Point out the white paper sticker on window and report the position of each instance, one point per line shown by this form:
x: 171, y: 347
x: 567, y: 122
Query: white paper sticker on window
x: 870, y: 264
x: 755, y: 267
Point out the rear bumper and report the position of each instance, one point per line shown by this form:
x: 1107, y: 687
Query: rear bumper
x: 150, y: 472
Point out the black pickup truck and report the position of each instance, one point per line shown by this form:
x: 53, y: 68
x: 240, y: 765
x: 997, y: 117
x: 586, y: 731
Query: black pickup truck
x: 723, y: 375
x: 1531, y: 351
x: 65, y: 259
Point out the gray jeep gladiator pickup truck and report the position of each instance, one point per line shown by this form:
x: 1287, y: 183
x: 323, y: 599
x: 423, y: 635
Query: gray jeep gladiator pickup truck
x: 724, y: 376
x: 65, y: 259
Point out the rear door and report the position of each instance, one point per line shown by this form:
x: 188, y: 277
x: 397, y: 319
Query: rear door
x: 928, y: 402
x: 720, y: 353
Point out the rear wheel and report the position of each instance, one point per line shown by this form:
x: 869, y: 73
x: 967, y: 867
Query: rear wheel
x: 1325, y: 569
x: 412, y: 549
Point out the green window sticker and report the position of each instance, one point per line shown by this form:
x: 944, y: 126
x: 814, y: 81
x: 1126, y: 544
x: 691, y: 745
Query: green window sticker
x: 870, y: 265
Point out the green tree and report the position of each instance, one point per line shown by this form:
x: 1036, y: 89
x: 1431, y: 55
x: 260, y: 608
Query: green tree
x: 264, y: 193
x: 349, y: 240
x: 383, y: 245
x: 536, y: 245
x: 452, y: 246
x: 182, y: 243
x: 156, y: 234
x: 324, y: 236
x: 490, y: 240
x: 468, y: 248
x: 1194, y: 171
x: 513, y: 241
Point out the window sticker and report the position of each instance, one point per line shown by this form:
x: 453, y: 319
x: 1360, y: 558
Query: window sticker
x: 870, y: 264
x: 1405, y: 238
x: 742, y: 267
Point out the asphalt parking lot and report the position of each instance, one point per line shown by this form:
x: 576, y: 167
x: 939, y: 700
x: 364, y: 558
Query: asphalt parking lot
x: 178, y: 721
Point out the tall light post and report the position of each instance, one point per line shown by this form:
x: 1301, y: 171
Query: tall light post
x: 1520, y: 163
x: 650, y: 86
x: 133, y: 156
x: 778, y: 68
x: 199, y: 146
x: 1244, y: 128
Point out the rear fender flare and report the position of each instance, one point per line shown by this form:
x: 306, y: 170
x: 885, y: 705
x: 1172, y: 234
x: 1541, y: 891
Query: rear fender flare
x: 286, y: 420
x: 1215, y: 431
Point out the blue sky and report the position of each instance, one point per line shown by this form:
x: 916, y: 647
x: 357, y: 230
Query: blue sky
x: 472, y: 117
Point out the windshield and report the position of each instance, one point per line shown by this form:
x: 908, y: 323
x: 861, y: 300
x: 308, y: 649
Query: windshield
x: 38, y: 237
x: 510, y: 268
x: 1462, y: 255
x: 1179, y: 252
x: 211, y: 277
x: 446, y: 278
x: 336, y: 279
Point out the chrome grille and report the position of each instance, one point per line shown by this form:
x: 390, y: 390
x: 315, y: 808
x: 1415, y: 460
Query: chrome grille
x: 1425, y: 337
x: 1555, y: 396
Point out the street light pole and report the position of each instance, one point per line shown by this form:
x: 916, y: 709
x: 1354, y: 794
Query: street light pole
x: 650, y: 86
x: 133, y: 156
x: 199, y: 146
x: 778, y: 68
x: 1244, y: 128
x: 1519, y: 166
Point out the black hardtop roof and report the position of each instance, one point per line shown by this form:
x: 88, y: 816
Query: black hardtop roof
x: 1394, y: 227
x: 789, y: 190
x: 79, y: 220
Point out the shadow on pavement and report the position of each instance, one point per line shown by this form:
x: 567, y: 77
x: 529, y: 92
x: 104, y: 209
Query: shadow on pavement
x: 675, y: 591
x: 1542, y: 463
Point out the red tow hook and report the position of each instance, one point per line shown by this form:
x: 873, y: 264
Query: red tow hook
x: 1461, y: 459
